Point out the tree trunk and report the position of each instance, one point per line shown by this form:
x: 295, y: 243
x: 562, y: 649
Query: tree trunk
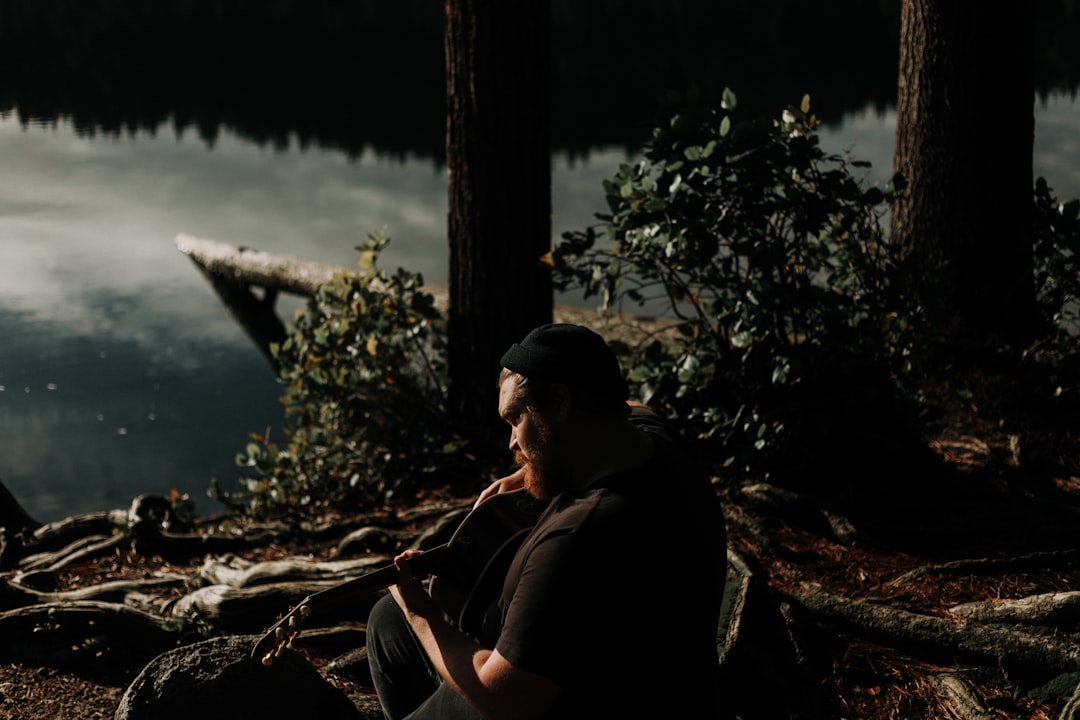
x: 499, y: 221
x: 964, y: 142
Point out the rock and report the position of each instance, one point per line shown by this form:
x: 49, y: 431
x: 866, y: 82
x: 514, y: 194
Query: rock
x: 216, y: 679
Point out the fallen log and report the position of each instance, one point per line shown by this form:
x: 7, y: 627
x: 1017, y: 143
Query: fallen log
x: 233, y: 270
x: 246, y: 267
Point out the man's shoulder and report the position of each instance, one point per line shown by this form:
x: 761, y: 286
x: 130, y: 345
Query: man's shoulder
x: 645, y: 418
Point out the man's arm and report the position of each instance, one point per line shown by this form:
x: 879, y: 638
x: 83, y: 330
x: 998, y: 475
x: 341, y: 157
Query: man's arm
x: 483, y: 677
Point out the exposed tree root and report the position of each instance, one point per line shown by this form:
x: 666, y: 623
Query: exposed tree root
x: 1018, y: 653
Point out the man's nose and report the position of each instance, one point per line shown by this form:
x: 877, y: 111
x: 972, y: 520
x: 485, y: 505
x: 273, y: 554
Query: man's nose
x: 513, y: 441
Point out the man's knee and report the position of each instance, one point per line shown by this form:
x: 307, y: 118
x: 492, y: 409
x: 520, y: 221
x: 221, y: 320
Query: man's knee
x: 385, y: 619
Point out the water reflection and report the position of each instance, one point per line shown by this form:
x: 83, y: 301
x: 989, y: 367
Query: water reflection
x: 154, y: 386
x: 90, y: 419
x: 121, y: 372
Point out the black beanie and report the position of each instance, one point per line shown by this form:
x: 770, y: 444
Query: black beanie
x: 570, y: 354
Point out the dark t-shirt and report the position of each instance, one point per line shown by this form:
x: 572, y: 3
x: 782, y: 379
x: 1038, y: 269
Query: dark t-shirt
x: 615, y: 594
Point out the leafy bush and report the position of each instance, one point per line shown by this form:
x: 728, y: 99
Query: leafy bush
x: 364, y: 375
x: 1057, y: 262
x: 1055, y: 359
x: 787, y: 353
x: 769, y: 257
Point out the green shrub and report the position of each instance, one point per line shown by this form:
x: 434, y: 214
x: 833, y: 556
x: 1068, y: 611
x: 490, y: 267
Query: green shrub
x: 364, y: 374
x: 1054, y: 360
x: 788, y: 355
x: 1057, y: 262
x: 769, y: 256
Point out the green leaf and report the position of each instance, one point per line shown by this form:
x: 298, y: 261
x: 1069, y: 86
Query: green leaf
x: 781, y: 372
x: 727, y: 101
x: 675, y: 185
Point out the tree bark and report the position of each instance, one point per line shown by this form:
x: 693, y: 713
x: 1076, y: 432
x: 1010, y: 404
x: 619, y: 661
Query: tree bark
x: 964, y: 143
x: 499, y: 217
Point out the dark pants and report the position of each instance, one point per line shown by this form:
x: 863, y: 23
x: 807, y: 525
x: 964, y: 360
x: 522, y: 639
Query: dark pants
x: 407, y: 684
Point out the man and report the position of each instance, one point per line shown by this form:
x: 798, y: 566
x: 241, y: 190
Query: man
x: 611, y: 604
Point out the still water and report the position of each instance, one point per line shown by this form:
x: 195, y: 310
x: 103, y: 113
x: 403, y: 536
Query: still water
x: 120, y: 371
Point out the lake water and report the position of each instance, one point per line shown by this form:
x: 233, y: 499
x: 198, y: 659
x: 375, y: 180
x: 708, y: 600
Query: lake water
x: 120, y: 371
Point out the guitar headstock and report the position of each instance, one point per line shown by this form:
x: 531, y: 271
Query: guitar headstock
x: 280, y: 635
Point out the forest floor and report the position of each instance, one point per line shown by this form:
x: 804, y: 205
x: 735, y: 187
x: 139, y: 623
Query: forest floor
x: 996, y: 509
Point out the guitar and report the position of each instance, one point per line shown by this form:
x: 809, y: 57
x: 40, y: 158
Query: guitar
x: 465, y: 573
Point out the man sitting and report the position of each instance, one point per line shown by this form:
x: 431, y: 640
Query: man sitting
x: 610, y: 606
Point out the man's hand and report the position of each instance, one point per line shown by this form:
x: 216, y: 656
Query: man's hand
x: 409, y: 592
x: 510, y: 483
x: 480, y: 675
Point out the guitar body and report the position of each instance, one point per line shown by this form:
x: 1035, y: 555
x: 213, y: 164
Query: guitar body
x: 470, y: 576
x: 466, y: 573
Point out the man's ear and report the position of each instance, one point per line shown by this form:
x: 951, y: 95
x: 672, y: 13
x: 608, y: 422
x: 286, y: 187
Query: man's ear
x: 562, y: 401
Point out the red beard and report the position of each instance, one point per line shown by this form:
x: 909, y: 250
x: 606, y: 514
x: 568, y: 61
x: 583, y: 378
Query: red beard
x: 536, y: 481
x: 544, y: 477
x: 542, y: 480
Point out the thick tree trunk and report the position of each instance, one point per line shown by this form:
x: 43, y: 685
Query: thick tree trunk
x: 499, y: 221
x: 964, y: 137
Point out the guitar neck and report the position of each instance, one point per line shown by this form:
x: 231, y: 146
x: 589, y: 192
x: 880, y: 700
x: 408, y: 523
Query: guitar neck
x: 274, y: 640
x: 468, y: 569
x: 334, y: 597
